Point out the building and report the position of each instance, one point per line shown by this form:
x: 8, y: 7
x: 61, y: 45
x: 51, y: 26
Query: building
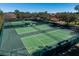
x: 9, y: 16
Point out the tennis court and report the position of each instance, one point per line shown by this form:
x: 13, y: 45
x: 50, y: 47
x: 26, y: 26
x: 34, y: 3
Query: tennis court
x: 43, y: 27
x: 33, y: 29
x: 25, y: 30
x: 33, y: 42
x: 14, y: 23
x: 47, y: 36
x: 35, y: 38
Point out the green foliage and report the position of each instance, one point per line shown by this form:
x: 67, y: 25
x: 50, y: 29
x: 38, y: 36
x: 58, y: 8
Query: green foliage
x: 1, y: 18
x: 77, y: 8
x: 67, y: 17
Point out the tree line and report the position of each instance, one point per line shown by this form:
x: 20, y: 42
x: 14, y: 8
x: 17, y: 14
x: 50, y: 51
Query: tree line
x: 67, y: 17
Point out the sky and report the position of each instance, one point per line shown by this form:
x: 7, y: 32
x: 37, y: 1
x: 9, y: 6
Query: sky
x: 38, y: 7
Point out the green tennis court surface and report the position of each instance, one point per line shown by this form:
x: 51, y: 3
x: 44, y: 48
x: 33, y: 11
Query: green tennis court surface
x: 32, y: 43
x: 14, y: 23
x: 33, y: 29
x: 43, y: 27
x: 25, y: 30
x: 35, y: 36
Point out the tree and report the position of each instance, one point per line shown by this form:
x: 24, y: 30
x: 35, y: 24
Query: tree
x: 1, y: 18
x: 17, y: 13
x: 67, y: 17
x: 45, y: 12
x: 1, y: 12
x: 77, y: 8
